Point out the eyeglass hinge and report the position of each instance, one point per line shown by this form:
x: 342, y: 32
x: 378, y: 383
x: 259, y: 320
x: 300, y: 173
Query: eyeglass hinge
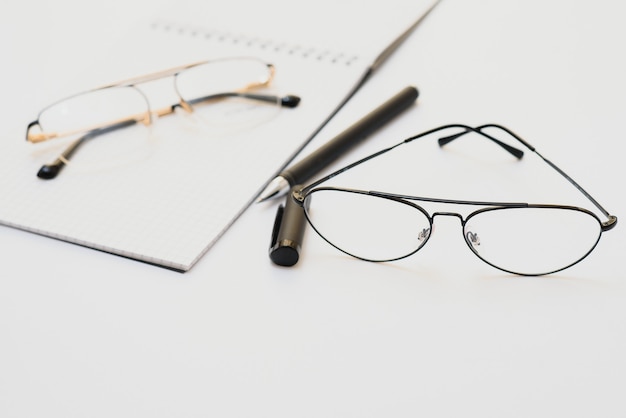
x: 610, y: 223
x: 40, y: 137
x: 298, y: 196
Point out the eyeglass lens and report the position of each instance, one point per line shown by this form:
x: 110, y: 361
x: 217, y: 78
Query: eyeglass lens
x: 368, y: 227
x: 533, y: 240
x: 229, y: 93
x: 114, y: 116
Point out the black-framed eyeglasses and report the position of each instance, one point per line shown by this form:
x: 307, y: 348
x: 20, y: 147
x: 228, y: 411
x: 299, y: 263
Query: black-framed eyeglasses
x: 519, y: 238
x: 222, y: 94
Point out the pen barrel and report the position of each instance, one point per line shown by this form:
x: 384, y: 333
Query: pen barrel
x: 326, y: 154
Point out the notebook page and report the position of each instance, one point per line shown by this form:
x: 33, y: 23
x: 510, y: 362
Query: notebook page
x: 170, y: 208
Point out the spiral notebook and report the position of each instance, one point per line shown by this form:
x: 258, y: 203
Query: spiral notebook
x: 169, y: 209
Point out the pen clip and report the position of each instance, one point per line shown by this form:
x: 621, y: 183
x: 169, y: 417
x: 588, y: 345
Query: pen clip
x: 277, y: 221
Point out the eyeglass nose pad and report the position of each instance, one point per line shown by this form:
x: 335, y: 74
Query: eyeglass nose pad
x: 147, y: 119
x: 423, y: 235
x: 472, y: 238
x: 188, y: 116
x: 185, y: 106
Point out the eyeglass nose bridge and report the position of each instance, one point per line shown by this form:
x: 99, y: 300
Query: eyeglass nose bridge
x: 452, y: 214
x: 447, y: 214
x: 471, y: 238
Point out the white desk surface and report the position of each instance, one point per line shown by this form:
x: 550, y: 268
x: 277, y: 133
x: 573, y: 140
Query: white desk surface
x: 89, y: 334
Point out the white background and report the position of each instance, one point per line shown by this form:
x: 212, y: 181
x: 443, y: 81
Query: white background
x: 440, y: 334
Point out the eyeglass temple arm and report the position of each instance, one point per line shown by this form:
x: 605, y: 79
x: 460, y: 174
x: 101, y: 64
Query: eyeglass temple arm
x: 612, y: 220
x: 609, y: 224
x: 50, y: 171
x: 299, y: 194
x: 285, y: 101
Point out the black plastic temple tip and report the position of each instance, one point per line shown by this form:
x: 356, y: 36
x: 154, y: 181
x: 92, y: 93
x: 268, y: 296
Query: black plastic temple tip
x: 610, y: 224
x: 446, y: 140
x: 516, y: 152
x: 50, y: 171
x: 290, y: 101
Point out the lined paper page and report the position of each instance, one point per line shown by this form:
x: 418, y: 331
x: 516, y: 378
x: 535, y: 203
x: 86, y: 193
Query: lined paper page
x: 170, y: 207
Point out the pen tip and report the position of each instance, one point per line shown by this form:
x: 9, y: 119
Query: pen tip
x: 275, y: 188
x: 261, y: 198
x: 266, y: 195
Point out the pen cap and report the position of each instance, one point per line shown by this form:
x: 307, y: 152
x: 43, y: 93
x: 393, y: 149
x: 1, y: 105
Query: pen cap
x: 288, y: 233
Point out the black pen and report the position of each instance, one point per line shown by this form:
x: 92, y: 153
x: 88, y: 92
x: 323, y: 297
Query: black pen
x: 290, y: 221
x: 302, y: 171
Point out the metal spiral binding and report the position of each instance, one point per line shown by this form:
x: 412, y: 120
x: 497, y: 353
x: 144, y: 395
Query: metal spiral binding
x: 260, y: 44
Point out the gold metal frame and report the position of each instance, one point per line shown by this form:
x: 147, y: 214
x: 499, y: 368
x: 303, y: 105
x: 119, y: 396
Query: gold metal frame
x: 36, y: 137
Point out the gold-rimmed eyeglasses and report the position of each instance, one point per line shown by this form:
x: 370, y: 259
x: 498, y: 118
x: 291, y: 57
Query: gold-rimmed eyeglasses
x: 222, y: 94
